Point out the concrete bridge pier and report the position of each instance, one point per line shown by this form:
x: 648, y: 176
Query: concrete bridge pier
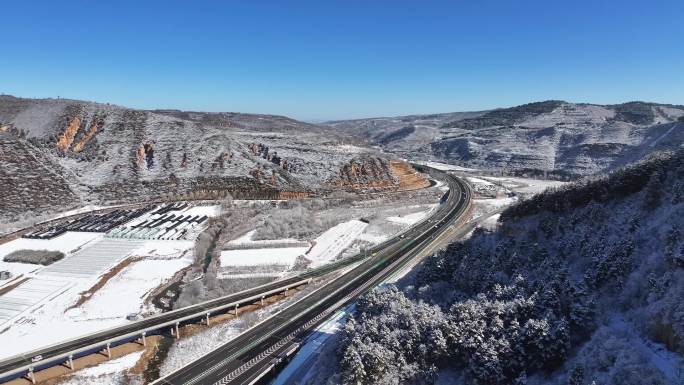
x: 109, y: 351
x: 144, y: 340
x: 177, y: 330
x: 71, y: 362
x: 236, y: 311
x: 207, y: 319
x: 262, y: 301
x: 31, y: 376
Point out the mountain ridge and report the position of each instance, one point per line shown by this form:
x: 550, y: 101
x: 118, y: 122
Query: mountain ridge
x: 99, y: 153
x: 554, y: 137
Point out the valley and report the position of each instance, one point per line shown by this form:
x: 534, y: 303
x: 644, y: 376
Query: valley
x: 129, y: 220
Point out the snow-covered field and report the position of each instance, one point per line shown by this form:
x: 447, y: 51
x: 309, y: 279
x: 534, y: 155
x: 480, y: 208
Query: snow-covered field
x: 266, y: 256
x: 29, y: 294
x: 326, y: 247
x: 163, y: 249
x: 479, y: 181
x: 65, y: 243
x: 392, y: 223
x: 524, y: 185
x: 410, y: 219
x: 495, y: 203
x: 40, y: 310
x: 246, y: 241
x: 125, y: 293
x: 245, y: 252
x: 48, y: 318
x: 16, y: 269
x: 332, y: 242
x: 446, y: 167
x: 93, y: 260
x: 491, y: 222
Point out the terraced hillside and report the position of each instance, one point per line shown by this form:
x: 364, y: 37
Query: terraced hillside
x: 560, y: 138
x: 60, y: 153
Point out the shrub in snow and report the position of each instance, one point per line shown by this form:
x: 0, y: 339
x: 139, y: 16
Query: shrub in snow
x: 38, y: 257
x: 298, y: 221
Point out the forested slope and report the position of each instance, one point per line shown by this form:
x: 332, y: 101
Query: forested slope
x: 576, y: 286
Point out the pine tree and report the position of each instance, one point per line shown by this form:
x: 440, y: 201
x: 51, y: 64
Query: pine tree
x: 654, y: 191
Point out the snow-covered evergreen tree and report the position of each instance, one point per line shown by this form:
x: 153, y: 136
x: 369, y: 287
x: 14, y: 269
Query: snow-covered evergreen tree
x: 591, y: 268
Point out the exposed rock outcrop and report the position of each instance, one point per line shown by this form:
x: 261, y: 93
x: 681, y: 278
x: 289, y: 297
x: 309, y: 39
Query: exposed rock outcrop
x: 102, y: 153
x: 378, y: 173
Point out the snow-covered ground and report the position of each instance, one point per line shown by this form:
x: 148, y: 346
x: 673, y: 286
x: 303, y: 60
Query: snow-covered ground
x: 110, y: 372
x: 96, y: 258
x: 16, y: 269
x: 495, y: 203
x: 65, y: 243
x: 28, y: 295
x: 48, y: 319
x: 332, y: 242
x: 524, y: 185
x: 247, y: 241
x: 446, y: 167
x: 410, y: 219
x: 491, y: 222
x: 306, y: 366
x: 163, y: 249
x: 479, y: 181
x: 192, y: 347
x: 40, y: 310
x: 244, y: 251
x: 393, y: 222
x: 265, y: 256
x: 670, y: 364
x: 125, y: 293
x: 504, y: 191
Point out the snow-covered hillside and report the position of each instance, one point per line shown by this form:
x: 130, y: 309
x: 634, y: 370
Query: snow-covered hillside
x: 578, y: 285
x: 559, y: 138
x: 58, y: 154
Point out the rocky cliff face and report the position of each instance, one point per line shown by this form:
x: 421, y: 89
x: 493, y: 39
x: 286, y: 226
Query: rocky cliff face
x: 76, y: 151
x: 372, y: 173
x: 561, y: 138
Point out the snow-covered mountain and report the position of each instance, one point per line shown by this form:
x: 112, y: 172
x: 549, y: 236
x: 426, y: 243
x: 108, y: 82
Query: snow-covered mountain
x: 561, y: 138
x: 58, y: 153
x: 579, y: 285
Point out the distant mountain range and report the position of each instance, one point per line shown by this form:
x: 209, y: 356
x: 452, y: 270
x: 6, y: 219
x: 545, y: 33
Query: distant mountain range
x: 563, y: 139
x: 58, y: 153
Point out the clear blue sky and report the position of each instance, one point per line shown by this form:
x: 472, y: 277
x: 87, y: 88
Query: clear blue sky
x: 343, y: 59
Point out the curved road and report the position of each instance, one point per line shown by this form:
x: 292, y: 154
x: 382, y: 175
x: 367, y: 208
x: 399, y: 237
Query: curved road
x: 383, y: 254
x: 244, y: 359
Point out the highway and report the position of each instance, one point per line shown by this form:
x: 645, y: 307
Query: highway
x: 253, y: 354
x: 60, y: 353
